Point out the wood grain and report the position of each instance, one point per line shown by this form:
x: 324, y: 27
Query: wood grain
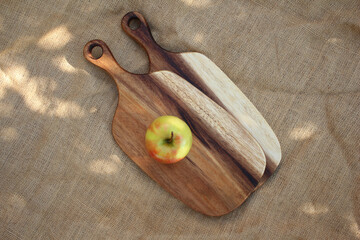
x: 201, y: 72
x: 225, y: 162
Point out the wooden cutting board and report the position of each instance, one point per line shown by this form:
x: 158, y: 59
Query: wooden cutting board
x: 224, y: 164
x: 201, y: 72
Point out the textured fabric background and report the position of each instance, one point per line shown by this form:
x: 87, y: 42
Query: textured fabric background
x: 62, y: 176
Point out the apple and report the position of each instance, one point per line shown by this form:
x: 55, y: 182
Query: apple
x: 168, y: 139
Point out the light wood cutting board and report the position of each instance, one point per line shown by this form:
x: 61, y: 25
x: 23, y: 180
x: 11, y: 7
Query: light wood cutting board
x: 202, y: 73
x: 225, y: 162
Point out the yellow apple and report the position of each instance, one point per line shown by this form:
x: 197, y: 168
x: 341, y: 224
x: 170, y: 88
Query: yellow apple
x: 168, y: 139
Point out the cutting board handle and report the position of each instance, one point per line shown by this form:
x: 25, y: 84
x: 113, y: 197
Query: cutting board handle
x: 106, y: 61
x: 141, y: 33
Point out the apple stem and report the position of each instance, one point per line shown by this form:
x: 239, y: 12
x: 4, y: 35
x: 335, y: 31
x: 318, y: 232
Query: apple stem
x: 170, y: 140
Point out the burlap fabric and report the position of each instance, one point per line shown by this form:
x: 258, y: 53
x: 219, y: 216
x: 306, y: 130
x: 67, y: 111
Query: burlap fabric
x: 62, y: 176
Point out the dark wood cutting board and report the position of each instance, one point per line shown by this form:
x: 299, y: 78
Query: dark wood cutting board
x: 202, y: 73
x: 225, y: 162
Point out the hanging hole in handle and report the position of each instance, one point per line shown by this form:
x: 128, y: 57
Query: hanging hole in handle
x: 96, y: 51
x: 134, y: 23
